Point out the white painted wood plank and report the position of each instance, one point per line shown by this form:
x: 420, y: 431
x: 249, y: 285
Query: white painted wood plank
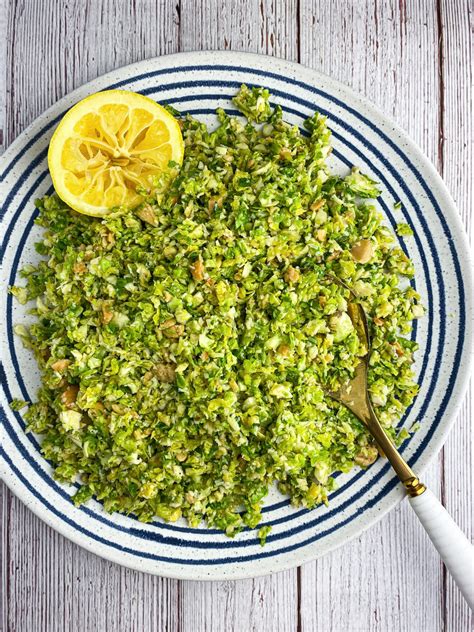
x: 268, y: 27
x: 219, y: 25
x: 279, y: 29
x: 49, y: 583
x: 5, y: 497
x: 388, y: 52
x: 54, y: 47
x: 456, y: 167
x: 3, y: 69
x: 80, y: 595
x: 54, y: 585
x: 266, y: 604
x: 4, y: 494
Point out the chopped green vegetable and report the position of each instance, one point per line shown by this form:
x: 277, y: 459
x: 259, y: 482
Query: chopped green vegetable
x: 20, y: 293
x: 361, y: 184
x: 254, y: 103
x: 263, y: 533
x: 186, y: 346
x: 404, y: 230
x: 18, y: 404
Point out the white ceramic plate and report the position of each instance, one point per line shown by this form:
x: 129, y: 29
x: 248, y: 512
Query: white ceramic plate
x: 198, y: 83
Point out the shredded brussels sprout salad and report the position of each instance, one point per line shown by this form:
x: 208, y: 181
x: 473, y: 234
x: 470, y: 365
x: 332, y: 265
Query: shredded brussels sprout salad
x: 185, y: 345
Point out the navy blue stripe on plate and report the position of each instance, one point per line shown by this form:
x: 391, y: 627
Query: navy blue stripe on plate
x: 279, y: 505
x: 342, y: 158
x: 187, y: 560
x: 280, y: 520
x: 457, y: 268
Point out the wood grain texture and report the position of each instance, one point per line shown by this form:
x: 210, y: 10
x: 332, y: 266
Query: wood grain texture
x: 456, y: 146
x: 49, y: 583
x: 270, y: 603
x: 3, y: 69
x: 390, y: 56
x: 413, y: 60
x: 258, y: 605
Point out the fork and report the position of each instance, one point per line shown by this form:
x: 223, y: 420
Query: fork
x: 455, y: 549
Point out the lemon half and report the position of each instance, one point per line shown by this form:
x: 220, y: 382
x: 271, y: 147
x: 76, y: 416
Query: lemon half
x: 109, y: 144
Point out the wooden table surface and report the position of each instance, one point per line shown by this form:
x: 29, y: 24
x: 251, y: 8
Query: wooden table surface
x: 411, y: 58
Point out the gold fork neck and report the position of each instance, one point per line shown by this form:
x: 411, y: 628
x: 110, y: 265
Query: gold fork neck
x: 404, y: 472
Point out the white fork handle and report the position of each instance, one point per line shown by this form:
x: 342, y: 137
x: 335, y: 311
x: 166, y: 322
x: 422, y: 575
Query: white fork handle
x: 454, y: 548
